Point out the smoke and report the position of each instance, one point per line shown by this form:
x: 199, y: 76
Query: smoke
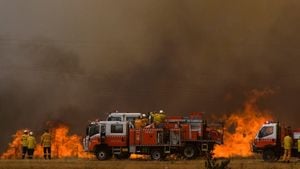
x: 74, y: 60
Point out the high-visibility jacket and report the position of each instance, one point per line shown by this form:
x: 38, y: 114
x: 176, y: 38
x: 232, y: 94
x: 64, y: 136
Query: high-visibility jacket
x: 287, y: 142
x: 46, y: 140
x: 138, y: 123
x: 24, y: 140
x: 31, y: 142
x: 299, y: 145
x: 158, y: 118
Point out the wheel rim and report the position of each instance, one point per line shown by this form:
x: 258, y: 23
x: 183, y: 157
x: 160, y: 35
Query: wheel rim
x: 156, y: 155
x: 101, y: 155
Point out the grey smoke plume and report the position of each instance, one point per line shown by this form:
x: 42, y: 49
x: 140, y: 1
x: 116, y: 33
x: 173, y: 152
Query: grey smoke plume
x: 73, y: 60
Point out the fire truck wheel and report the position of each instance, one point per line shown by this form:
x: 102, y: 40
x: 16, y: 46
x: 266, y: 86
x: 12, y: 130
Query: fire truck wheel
x: 269, y: 155
x: 189, y: 151
x: 156, y: 155
x: 102, y: 155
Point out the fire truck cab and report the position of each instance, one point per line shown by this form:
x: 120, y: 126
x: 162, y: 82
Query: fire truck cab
x: 269, y: 141
x: 103, y: 135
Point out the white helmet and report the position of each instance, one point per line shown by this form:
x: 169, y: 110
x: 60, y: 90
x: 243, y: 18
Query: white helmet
x: 161, y: 111
x: 31, y: 133
x: 144, y: 115
x: 25, y: 131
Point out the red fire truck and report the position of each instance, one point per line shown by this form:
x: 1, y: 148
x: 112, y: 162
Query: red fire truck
x: 269, y: 140
x: 189, y: 136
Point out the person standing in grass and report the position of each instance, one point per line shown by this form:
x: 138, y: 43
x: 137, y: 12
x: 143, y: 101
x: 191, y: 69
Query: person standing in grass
x: 298, y: 142
x: 31, y: 145
x: 287, y: 143
x: 24, y: 141
x: 46, y: 143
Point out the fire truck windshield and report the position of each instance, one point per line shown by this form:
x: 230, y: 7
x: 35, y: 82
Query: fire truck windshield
x: 94, y: 129
x: 266, y: 131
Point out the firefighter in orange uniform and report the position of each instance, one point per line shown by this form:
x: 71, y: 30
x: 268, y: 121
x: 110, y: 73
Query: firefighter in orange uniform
x: 144, y: 120
x: 46, y: 143
x: 287, y: 143
x: 24, y: 143
x: 31, y: 145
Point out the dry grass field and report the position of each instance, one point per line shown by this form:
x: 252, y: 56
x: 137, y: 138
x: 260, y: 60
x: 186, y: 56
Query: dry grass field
x: 139, y: 164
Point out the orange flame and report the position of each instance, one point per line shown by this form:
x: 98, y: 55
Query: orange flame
x: 139, y: 156
x: 14, y: 148
x: 63, y: 145
x: 246, y: 124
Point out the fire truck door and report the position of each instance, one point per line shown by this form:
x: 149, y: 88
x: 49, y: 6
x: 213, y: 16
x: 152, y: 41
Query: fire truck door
x: 117, y: 134
x: 102, y: 133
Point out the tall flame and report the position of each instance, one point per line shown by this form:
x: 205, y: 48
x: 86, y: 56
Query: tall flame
x: 245, y: 124
x: 63, y: 145
x: 14, y: 148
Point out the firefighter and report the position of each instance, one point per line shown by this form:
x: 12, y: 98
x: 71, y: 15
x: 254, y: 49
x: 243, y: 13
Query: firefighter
x: 24, y: 141
x: 141, y: 122
x: 159, y: 119
x: 144, y: 120
x: 298, y: 142
x: 46, y: 144
x: 287, y: 143
x: 137, y: 123
x: 31, y: 144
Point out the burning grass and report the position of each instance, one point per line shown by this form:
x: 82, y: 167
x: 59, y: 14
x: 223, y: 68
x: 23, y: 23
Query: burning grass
x: 63, y: 145
x: 241, y: 127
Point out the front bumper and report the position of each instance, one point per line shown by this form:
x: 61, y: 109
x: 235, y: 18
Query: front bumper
x: 255, y: 149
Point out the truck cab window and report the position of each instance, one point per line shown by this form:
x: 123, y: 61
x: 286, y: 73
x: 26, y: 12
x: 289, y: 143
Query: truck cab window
x: 266, y: 131
x: 131, y: 119
x: 94, y: 130
x: 116, y: 128
x: 114, y: 119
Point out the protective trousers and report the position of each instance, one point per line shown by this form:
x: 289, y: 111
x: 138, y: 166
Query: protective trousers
x: 30, y: 153
x: 287, y: 155
x: 24, y: 151
x: 47, y: 152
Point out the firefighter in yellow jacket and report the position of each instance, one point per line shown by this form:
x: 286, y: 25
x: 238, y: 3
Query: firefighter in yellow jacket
x: 24, y: 143
x: 31, y: 145
x: 298, y: 142
x: 46, y: 143
x: 287, y: 144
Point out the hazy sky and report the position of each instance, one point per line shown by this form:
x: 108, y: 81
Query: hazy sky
x: 73, y: 60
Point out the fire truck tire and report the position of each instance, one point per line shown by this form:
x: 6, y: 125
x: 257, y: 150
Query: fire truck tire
x: 189, y: 151
x: 269, y: 155
x: 156, y: 154
x: 102, y: 154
